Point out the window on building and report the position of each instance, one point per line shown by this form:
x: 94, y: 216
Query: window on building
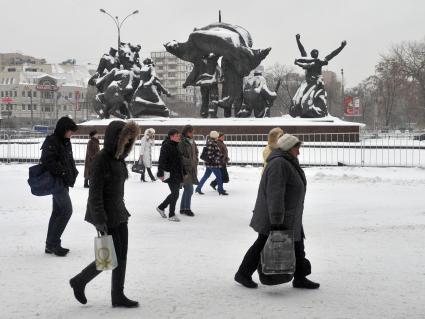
x: 6, y: 93
x: 64, y: 107
x: 23, y: 93
x: 171, y: 74
x: 1, y: 94
x: 15, y: 93
x: 23, y: 107
x: 34, y: 94
x: 7, y: 80
x: 70, y: 95
x: 34, y: 107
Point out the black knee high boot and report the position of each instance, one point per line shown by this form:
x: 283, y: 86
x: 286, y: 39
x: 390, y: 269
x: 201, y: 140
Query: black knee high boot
x: 117, y: 291
x: 79, y: 282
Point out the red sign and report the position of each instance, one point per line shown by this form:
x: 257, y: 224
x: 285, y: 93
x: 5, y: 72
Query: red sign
x: 351, y: 106
x: 7, y: 100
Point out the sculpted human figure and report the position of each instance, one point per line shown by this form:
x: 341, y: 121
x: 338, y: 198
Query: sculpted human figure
x: 310, y: 99
x: 257, y: 97
x: 146, y: 99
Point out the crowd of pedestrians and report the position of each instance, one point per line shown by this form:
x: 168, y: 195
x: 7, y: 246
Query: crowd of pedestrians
x: 279, y: 204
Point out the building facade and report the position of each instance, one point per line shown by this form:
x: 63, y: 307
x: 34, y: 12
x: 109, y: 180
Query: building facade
x: 41, y: 93
x: 173, y: 72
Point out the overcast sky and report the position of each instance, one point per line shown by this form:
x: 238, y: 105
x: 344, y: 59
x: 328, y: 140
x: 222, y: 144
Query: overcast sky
x: 61, y: 29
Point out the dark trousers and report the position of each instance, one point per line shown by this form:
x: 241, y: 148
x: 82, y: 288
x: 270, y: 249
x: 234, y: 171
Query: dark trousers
x: 253, y: 256
x: 120, y: 237
x: 186, y: 197
x: 171, y: 199
x: 142, y: 176
x: 61, y: 213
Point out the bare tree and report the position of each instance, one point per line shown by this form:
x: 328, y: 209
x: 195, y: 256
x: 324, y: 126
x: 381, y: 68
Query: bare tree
x: 289, y: 82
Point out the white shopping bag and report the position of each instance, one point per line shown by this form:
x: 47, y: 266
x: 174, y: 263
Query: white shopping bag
x: 104, y: 253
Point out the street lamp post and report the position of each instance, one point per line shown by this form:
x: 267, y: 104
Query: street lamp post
x: 118, y: 23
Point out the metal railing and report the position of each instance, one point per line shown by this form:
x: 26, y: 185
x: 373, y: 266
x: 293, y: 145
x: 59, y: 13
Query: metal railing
x: 352, y: 149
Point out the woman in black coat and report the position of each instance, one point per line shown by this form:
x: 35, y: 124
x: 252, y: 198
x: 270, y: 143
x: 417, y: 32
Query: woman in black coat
x: 106, y: 209
x: 57, y: 158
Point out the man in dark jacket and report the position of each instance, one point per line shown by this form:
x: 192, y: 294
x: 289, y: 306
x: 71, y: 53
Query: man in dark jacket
x: 92, y: 149
x: 189, y: 153
x: 279, y: 206
x: 171, y: 171
x: 106, y: 209
x: 57, y: 158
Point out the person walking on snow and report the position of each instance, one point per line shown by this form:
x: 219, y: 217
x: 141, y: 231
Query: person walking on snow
x: 146, y: 144
x: 279, y: 206
x: 224, y: 161
x: 212, y: 164
x: 274, y: 135
x: 57, y: 158
x: 170, y: 171
x: 92, y: 149
x: 106, y: 209
x: 189, y: 153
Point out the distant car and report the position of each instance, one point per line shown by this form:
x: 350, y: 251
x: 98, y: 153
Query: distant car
x: 42, y: 129
x: 419, y: 137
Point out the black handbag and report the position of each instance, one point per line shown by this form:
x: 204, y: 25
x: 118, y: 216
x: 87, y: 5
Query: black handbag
x: 42, y: 182
x: 204, y: 154
x: 138, y: 168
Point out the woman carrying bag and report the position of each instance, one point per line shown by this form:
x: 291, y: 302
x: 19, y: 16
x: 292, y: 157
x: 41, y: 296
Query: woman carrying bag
x: 146, y: 144
x: 279, y: 206
x: 106, y: 209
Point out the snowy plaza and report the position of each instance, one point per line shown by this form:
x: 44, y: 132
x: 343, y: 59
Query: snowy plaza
x: 365, y: 234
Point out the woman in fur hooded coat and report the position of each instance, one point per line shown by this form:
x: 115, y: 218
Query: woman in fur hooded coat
x: 106, y: 209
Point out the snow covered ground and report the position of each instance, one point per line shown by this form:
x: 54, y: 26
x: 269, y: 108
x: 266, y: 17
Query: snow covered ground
x: 365, y: 231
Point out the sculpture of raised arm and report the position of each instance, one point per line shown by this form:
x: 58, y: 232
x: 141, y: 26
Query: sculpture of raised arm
x: 300, y: 46
x: 336, y: 52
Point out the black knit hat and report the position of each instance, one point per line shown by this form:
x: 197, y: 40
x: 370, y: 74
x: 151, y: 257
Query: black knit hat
x: 172, y: 132
x: 92, y: 133
x: 63, y: 125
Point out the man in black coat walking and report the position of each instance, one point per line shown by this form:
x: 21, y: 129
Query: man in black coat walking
x: 57, y: 158
x: 106, y: 209
x: 171, y: 171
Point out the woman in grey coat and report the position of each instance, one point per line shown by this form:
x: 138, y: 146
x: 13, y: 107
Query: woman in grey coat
x: 279, y: 205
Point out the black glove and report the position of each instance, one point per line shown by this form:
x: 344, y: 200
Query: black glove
x: 102, y: 228
x: 277, y: 227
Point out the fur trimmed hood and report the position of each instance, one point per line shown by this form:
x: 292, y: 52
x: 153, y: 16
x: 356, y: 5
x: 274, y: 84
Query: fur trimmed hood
x: 120, y: 137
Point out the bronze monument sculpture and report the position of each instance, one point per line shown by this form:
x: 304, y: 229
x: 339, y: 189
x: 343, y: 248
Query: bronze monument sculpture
x: 127, y: 88
x: 310, y: 99
x: 231, y: 43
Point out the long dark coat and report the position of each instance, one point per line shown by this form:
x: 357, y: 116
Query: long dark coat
x: 57, y: 158
x: 170, y: 160
x: 92, y: 149
x: 189, y: 154
x: 108, y: 173
x: 281, y: 194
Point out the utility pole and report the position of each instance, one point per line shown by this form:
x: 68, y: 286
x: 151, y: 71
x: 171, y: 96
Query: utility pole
x: 219, y: 16
x: 342, y: 90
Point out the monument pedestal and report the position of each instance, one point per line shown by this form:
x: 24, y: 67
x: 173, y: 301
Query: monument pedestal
x: 318, y: 129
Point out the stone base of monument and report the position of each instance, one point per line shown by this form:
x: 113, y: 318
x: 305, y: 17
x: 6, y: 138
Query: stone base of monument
x: 318, y: 129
